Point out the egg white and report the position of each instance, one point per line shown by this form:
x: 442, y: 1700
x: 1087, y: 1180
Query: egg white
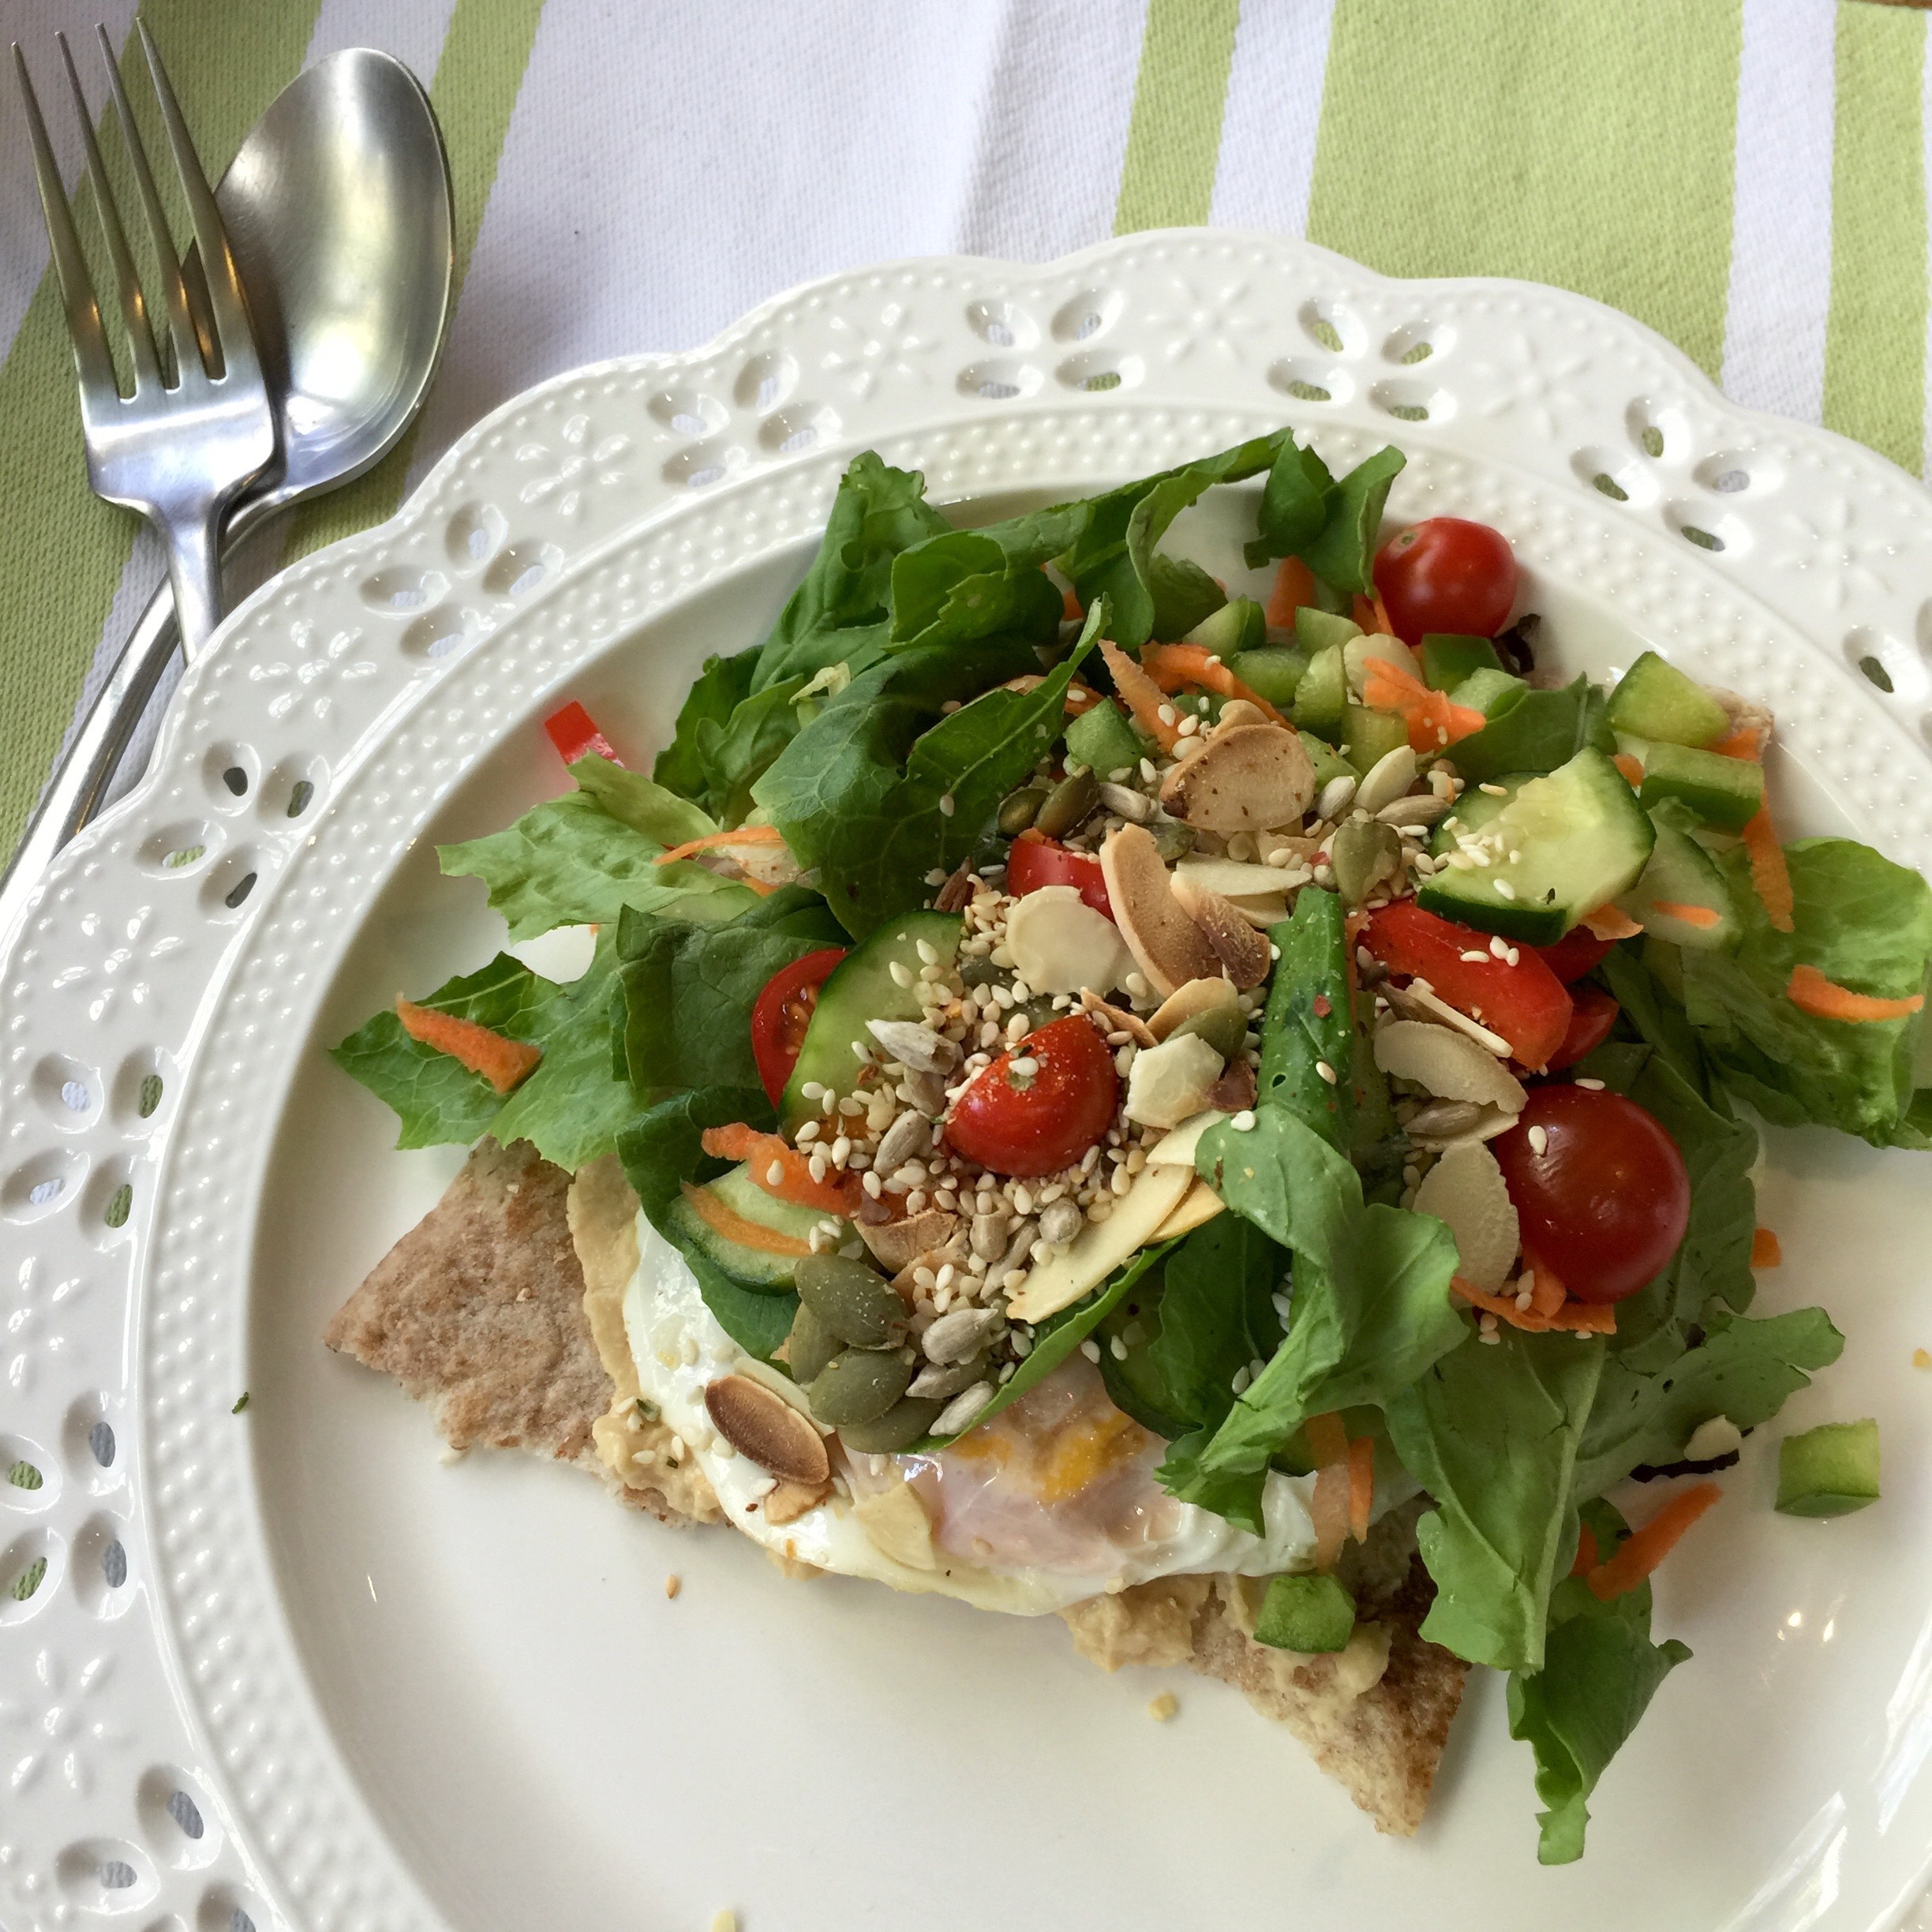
x: 680, y: 1348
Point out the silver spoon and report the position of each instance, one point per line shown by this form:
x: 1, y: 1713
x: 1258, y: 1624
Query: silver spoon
x: 338, y: 209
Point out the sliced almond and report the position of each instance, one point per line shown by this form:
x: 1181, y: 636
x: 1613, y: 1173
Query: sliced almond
x: 1197, y: 997
x: 790, y: 1500
x: 1236, y: 878
x: 1169, y: 948
x: 1419, y: 1000
x: 1447, y: 1063
x: 1466, y: 1190
x: 1059, y: 943
x: 1198, y: 1206
x: 1177, y: 1149
x: 1252, y: 778
x: 1101, y: 1246
x: 896, y: 1244
x: 1357, y: 651
x: 1237, y: 712
x: 1117, y: 1019
x: 767, y: 1430
x: 1239, y: 947
x: 896, y: 1523
x: 1169, y: 1083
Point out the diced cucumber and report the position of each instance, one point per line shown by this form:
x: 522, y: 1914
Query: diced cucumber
x: 1654, y: 699
x: 740, y: 1195
x: 1321, y: 699
x: 1724, y: 791
x: 1447, y: 659
x: 1532, y: 730
x: 1239, y: 625
x: 1306, y: 1612
x: 1103, y: 740
x: 1563, y: 845
x: 1481, y: 690
x: 1681, y: 896
x: 1316, y: 630
x: 1371, y: 735
x: 1328, y: 762
x: 1273, y: 672
x: 1830, y: 1470
x: 1473, y: 810
x: 862, y: 988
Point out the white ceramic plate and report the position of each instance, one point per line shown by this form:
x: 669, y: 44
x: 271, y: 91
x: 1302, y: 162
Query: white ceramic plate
x: 284, y: 1667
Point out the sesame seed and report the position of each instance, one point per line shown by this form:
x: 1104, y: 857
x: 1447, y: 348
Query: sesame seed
x: 900, y: 977
x: 808, y: 1132
x: 1474, y: 958
x: 1091, y: 1349
x: 1240, y: 1380
x: 1274, y: 950
x: 927, y: 955
x: 1589, y: 1085
x: 1166, y: 714
x: 673, y: 1585
x: 1326, y: 1071
x: 774, y: 1174
x: 1243, y: 1123
x: 1495, y: 791
x: 1505, y: 890
x: 1539, y: 1139
x: 1118, y: 1349
x: 945, y: 804
x: 1498, y: 946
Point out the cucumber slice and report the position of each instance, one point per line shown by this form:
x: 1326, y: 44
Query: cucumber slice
x: 751, y: 1268
x: 1473, y: 810
x: 1321, y: 698
x: 1654, y: 699
x: 1482, y: 690
x: 1370, y: 736
x: 1563, y: 846
x: 1328, y: 762
x: 1448, y: 659
x: 1681, y: 896
x: 1103, y: 740
x: 1239, y: 625
x: 1306, y: 1612
x: 862, y: 988
x: 1723, y: 791
x: 1316, y: 630
x: 1830, y: 1470
x: 1274, y: 673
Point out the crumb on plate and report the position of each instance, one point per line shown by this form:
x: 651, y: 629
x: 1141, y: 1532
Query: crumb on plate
x: 1163, y: 1707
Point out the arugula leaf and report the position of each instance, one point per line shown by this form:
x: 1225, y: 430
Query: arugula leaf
x: 721, y: 686
x: 1863, y: 923
x: 1217, y: 1315
x: 689, y: 989
x: 1536, y: 731
x: 1657, y: 1017
x: 966, y: 584
x: 1491, y: 1433
x: 663, y: 1149
x: 1600, y: 1671
x: 1341, y: 553
x: 1298, y: 499
x: 1308, y: 1023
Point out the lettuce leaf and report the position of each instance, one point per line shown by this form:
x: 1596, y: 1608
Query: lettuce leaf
x: 1536, y: 731
x: 989, y: 582
x: 1863, y: 923
x: 1297, y: 501
x: 1217, y: 1315
x: 720, y: 688
x: 1600, y: 1671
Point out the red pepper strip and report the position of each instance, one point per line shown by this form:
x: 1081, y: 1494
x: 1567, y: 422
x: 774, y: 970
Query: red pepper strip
x: 575, y: 735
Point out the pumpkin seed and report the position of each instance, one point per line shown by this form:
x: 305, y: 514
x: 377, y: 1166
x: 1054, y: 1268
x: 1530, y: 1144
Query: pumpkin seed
x: 1020, y: 810
x: 976, y: 969
x: 1173, y: 839
x: 1223, y: 1026
x: 948, y: 1381
x: 1364, y: 852
x: 1070, y: 802
x: 903, y: 1424
x: 859, y: 1385
x: 810, y: 1345
x: 852, y: 1300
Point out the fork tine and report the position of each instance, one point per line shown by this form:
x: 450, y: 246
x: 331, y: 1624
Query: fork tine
x: 225, y: 303
x: 134, y: 305
x: 181, y: 325
x: 93, y: 366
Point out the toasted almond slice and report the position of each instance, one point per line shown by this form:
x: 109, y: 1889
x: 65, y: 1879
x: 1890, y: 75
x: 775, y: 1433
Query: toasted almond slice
x: 1420, y: 1001
x: 767, y: 1429
x: 1235, y: 878
x: 1169, y: 1083
x: 1101, y: 1246
x: 1117, y: 1020
x: 1237, y: 945
x: 1197, y: 997
x: 1169, y: 948
x: 1236, y: 713
x: 1252, y: 778
x: 1465, y: 1189
x: 1059, y: 943
x: 896, y: 1244
x: 1177, y: 1149
x: 1198, y: 1206
x: 1447, y: 1063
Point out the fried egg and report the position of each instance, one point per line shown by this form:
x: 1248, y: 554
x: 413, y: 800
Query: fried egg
x: 1052, y: 1501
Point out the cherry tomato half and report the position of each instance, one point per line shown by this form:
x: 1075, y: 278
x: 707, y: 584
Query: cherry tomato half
x: 1593, y: 1014
x: 1017, y: 1124
x: 782, y: 1012
x: 1447, y: 574
x: 1036, y: 860
x: 1578, y: 952
x: 1605, y: 1200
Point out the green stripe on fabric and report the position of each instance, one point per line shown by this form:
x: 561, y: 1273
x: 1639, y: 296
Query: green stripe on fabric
x: 62, y: 550
x: 1569, y: 141
x: 1174, y: 138
x: 485, y: 53
x: 1875, y: 329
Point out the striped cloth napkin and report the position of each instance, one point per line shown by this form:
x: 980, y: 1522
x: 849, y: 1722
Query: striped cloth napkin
x: 1747, y: 176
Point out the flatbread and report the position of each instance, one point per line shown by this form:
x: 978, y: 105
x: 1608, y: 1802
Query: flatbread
x: 503, y: 1309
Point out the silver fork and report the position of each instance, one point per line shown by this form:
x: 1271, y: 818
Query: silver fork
x: 180, y: 446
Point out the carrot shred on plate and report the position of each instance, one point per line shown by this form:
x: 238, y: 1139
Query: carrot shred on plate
x: 1142, y: 697
x: 734, y: 1226
x: 1769, y: 873
x: 1579, y: 1317
x: 1610, y: 922
x: 1811, y: 992
x: 1586, y: 1556
x: 1766, y: 1252
x: 1171, y: 666
x: 1701, y: 916
x: 505, y: 1063
x: 1631, y: 766
x: 1294, y: 585
x: 740, y: 835
x: 1642, y: 1550
x: 761, y: 1152
x: 1361, y: 1486
x: 1434, y: 721
x: 1328, y: 1444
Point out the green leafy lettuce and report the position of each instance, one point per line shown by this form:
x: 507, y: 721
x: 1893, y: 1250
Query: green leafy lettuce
x: 1536, y: 731
x: 1343, y: 552
x: 1295, y: 503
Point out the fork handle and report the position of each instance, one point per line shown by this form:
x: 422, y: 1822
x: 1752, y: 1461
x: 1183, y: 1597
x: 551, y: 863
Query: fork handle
x: 194, y: 575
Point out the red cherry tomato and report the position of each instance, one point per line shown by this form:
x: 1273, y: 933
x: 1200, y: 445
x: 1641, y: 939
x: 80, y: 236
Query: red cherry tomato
x: 1525, y: 1003
x: 1605, y: 1200
x: 1037, y: 1125
x: 1578, y: 952
x: 1447, y: 574
x: 1036, y: 860
x: 782, y: 1012
x: 1593, y: 1013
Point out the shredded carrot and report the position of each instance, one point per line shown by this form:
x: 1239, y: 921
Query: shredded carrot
x: 734, y: 1227
x: 1766, y: 1252
x: 1079, y: 697
x: 1361, y: 1486
x: 1172, y: 665
x: 1142, y: 696
x: 1070, y: 605
x: 505, y: 1063
x: 1371, y: 615
x: 1328, y: 1443
x: 1610, y: 922
x: 1547, y: 1293
x: 1702, y: 917
x: 1586, y: 1557
x: 1642, y: 1550
x: 1768, y: 869
x: 1825, y: 999
x: 1631, y: 768
x: 761, y: 1152
x: 743, y: 835
x: 1433, y: 721
x: 1294, y: 585
x: 1583, y: 1317
x: 1746, y: 742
